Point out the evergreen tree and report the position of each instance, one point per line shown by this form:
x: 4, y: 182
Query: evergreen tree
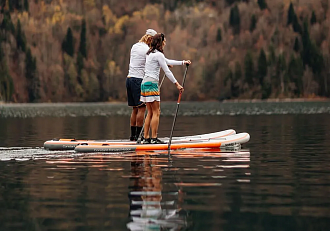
x: 7, y: 24
x: 11, y: 5
x: 295, y: 74
x: 253, y: 23
x: 31, y: 76
x: 80, y: 65
x: 262, y: 67
x: 234, y: 19
x: 313, y: 18
x: 295, y: 24
x: 291, y: 14
x: 281, y: 73
x: 296, y: 46
x: 26, y: 5
x: 219, y: 35
x: 237, y: 77
x: 83, y: 42
x: 6, y: 81
x: 249, y: 68
x: 311, y: 55
x: 15, y: 4
x: 67, y: 44
x: 262, y: 4
x: 293, y: 19
x: 20, y: 37
x: 272, y: 55
x: 230, y: 2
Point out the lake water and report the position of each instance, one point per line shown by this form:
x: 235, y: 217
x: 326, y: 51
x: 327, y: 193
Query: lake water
x: 279, y: 180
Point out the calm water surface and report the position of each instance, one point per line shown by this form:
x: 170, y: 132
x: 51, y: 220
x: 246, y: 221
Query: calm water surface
x: 279, y: 180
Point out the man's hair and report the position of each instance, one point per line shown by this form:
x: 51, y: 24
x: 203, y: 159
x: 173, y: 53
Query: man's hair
x: 146, y: 39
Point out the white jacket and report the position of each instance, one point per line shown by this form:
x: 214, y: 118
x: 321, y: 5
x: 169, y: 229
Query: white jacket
x: 157, y: 60
x: 137, y: 60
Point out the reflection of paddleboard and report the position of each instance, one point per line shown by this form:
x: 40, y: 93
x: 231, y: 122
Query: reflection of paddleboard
x: 70, y: 144
x: 227, y: 141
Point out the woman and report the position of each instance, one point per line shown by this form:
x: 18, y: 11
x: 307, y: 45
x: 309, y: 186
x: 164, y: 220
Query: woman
x: 149, y: 88
x: 133, y: 82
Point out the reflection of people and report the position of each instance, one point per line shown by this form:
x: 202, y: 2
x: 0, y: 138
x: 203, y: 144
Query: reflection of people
x: 149, y: 88
x: 146, y: 199
x: 133, y: 82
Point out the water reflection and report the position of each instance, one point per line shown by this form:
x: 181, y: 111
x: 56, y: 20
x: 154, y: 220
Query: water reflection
x: 148, y: 209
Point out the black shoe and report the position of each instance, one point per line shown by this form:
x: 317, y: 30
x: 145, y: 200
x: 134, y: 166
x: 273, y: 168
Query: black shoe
x: 139, y: 141
x: 157, y: 141
x: 146, y: 141
x: 133, y: 138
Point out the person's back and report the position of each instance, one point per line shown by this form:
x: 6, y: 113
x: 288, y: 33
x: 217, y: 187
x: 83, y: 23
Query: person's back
x: 137, y: 61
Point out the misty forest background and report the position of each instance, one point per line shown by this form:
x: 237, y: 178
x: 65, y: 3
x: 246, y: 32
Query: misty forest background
x: 78, y: 50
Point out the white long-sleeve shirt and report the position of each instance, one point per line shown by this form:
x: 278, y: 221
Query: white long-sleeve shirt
x: 154, y: 62
x: 137, y: 60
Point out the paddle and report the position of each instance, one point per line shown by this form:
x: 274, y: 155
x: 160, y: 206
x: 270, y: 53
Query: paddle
x: 140, y: 135
x: 177, y: 109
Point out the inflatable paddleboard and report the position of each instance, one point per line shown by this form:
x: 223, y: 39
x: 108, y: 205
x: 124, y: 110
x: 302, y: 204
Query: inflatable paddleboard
x: 70, y: 144
x: 227, y: 141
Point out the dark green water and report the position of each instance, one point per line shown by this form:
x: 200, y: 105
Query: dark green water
x: 280, y: 180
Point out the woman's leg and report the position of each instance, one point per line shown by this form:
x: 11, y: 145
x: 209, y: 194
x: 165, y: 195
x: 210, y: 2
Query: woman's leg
x: 148, y: 120
x: 155, y: 107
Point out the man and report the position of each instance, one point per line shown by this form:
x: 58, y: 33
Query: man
x: 133, y: 82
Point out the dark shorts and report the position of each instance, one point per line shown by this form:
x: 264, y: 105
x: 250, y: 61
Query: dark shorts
x: 133, y: 88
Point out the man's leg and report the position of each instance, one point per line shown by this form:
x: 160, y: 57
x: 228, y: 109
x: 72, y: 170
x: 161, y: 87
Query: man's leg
x: 133, y: 123
x: 140, y: 119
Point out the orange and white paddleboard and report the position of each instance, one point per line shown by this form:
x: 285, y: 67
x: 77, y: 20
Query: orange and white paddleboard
x: 70, y: 144
x: 222, y: 142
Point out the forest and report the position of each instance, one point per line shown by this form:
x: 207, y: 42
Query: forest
x: 78, y: 50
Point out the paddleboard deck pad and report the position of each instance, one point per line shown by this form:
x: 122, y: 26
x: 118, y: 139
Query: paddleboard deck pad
x: 70, y: 144
x: 223, y: 142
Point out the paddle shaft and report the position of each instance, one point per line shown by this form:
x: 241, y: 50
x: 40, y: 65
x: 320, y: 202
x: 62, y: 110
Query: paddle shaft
x: 177, y: 109
x: 140, y: 135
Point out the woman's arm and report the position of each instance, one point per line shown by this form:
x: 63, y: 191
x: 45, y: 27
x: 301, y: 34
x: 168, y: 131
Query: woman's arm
x: 174, y: 62
x: 162, y: 62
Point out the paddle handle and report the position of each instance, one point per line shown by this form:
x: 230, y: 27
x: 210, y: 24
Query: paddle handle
x: 177, y: 109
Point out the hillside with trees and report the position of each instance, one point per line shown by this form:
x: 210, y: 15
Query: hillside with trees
x: 78, y: 50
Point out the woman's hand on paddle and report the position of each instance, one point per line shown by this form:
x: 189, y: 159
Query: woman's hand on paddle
x: 179, y: 87
x: 187, y: 62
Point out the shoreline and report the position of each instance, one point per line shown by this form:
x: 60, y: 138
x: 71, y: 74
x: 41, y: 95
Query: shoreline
x: 278, y: 100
